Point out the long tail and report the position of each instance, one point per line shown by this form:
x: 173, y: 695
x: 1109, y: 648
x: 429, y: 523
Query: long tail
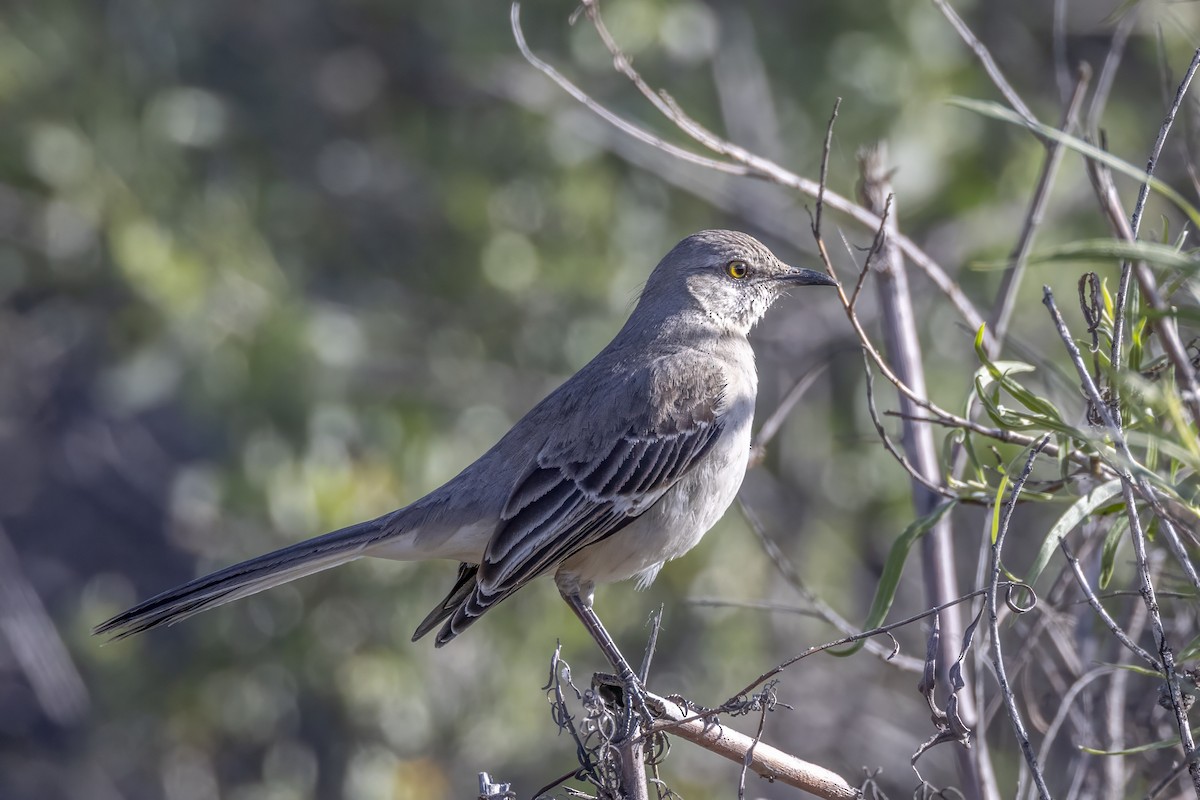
x: 244, y: 579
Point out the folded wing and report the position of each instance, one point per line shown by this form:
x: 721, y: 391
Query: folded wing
x: 563, y: 505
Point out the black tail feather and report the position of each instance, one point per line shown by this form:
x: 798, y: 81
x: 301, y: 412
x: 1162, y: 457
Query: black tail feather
x: 463, y: 586
x: 244, y: 579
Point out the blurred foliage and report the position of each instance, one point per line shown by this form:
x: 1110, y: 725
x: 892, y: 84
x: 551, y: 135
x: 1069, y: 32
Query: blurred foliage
x: 271, y: 268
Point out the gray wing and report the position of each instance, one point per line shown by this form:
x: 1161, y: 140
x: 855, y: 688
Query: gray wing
x: 562, y: 505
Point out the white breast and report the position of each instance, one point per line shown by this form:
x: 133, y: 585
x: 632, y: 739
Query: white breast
x: 685, y: 513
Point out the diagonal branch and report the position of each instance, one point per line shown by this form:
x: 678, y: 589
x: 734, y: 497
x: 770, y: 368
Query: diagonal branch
x: 1006, y: 295
x: 985, y: 58
x: 746, y: 163
x: 1166, y: 654
x: 1010, y: 702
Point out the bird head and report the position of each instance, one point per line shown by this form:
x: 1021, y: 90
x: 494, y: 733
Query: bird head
x: 731, y: 277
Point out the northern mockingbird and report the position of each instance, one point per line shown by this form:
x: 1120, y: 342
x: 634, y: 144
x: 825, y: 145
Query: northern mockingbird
x: 622, y: 468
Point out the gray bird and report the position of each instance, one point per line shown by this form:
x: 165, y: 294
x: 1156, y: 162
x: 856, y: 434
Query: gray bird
x: 622, y: 468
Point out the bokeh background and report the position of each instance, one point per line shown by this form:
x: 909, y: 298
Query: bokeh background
x: 270, y: 268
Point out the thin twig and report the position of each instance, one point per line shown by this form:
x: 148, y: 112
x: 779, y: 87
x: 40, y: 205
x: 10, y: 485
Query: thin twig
x: 880, y: 631
x: 1064, y: 708
x: 748, y: 759
x: 947, y: 420
x: 886, y: 440
x: 876, y: 248
x: 1171, y: 776
x: 1108, y: 73
x: 1010, y: 702
x: 1128, y: 481
x: 651, y: 644
x: 770, y: 427
x: 1010, y: 282
x: 819, y: 607
x: 985, y: 58
x: 1160, y: 140
x: 824, y: 173
x: 599, y: 110
x: 753, y: 165
x: 1094, y: 602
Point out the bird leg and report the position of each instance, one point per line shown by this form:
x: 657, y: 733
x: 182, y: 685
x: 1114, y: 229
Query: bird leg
x: 635, y: 695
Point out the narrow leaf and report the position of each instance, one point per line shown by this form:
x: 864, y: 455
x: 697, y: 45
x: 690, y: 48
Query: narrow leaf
x: 1080, y: 509
x: 1108, y: 556
x: 999, y: 501
x: 1116, y: 250
x: 1141, y: 748
x: 997, y: 111
x: 893, y: 568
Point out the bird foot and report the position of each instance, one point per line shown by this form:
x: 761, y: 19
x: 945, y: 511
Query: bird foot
x: 626, y: 691
x: 635, y: 701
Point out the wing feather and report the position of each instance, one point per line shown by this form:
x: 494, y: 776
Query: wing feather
x: 634, y: 463
x: 562, y: 506
x: 594, y: 477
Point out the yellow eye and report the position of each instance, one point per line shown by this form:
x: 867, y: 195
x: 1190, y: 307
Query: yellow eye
x: 736, y: 269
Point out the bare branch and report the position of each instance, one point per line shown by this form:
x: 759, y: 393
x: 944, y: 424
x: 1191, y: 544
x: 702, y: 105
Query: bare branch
x: 819, y: 608
x: 773, y: 423
x: 883, y: 630
x: 1006, y: 295
x: 754, y: 165
x: 904, y: 353
x: 1094, y: 602
x: 1160, y: 140
x: 1166, y: 654
x: 985, y: 58
x: 1108, y: 73
x: 599, y: 110
x: 763, y: 759
x: 1163, y: 322
x: 1010, y: 702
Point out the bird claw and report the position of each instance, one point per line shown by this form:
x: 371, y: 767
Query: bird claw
x: 625, y: 691
x: 634, y: 695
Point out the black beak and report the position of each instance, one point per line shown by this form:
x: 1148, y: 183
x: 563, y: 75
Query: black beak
x: 805, y: 277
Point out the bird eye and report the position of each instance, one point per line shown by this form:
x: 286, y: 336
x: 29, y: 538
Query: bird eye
x: 736, y: 269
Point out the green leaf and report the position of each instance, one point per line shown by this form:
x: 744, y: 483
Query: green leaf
x: 1108, y: 556
x: 1141, y: 748
x: 996, y: 504
x: 1161, y: 255
x: 1080, y: 509
x: 997, y: 111
x: 893, y: 568
x: 985, y: 373
x: 1136, y: 669
x: 1044, y: 413
x: 1189, y: 652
